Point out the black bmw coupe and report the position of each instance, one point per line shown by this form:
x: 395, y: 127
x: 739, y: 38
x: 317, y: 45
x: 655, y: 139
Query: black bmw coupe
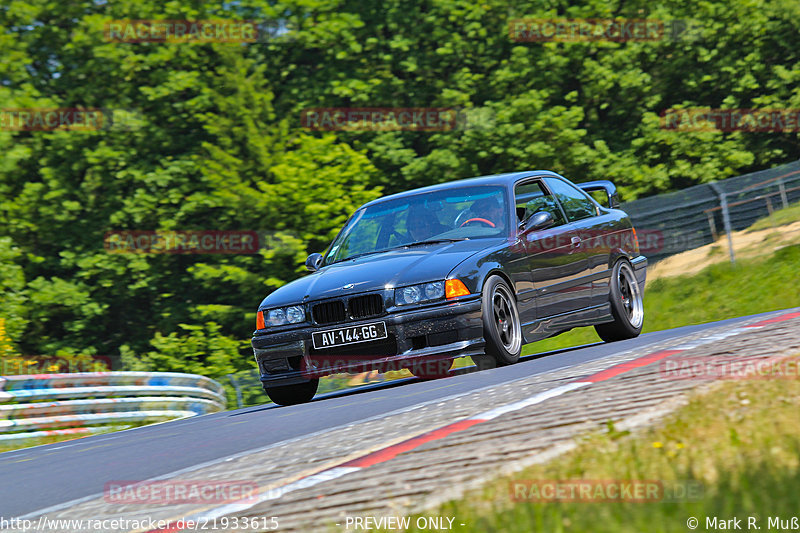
x: 474, y: 267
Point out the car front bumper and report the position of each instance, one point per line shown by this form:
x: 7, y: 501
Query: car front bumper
x: 443, y: 331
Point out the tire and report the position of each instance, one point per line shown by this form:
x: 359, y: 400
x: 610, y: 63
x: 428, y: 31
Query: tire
x: 501, y: 328
x: 293, y: 394
x: 627, y: 306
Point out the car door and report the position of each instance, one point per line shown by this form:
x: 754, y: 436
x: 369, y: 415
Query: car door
x: 581, y: 213
x: 555, y: 257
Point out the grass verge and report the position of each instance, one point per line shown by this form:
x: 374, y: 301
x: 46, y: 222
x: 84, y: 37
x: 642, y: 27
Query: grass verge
x: 781, y: 217
x: 740, y: 443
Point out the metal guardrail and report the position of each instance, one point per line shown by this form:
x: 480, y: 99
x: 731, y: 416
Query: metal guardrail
x: 86, y: 401
x: 701, y: 214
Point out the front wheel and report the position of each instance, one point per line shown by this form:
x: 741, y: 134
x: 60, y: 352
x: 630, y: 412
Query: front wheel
x: 501, y: 328
x: 627, y: 307
x: 293, y: 394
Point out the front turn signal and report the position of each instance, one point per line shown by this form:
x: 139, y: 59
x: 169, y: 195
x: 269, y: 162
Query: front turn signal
x: 453, y: 288
x: 260, y: 320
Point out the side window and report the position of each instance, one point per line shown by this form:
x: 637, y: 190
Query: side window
x: 601, y: 197
x: 575, y: 203
x: 530, y: 197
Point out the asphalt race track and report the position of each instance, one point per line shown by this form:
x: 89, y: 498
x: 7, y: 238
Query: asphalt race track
x: 46, y: 478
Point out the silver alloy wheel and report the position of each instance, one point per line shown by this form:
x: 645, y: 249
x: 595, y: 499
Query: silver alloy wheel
x: 506, y: 321
x: 631, y: 295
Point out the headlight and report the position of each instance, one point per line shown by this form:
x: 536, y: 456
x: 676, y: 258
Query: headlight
x: 285, y: 315
x: 295, y: 314
x: 434, y: 291
x: 276, y: 317
x: 424, y: 292
x: 411, y: 295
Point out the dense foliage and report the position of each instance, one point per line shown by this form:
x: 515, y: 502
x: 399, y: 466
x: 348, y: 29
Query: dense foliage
x: 217, y: 142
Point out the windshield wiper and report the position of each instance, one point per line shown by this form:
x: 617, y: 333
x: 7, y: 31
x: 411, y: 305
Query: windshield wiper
x: 362, y: 254
x: 431, y: 241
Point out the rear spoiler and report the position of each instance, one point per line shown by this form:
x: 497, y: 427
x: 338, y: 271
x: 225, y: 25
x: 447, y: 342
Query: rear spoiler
x: 603, y: 185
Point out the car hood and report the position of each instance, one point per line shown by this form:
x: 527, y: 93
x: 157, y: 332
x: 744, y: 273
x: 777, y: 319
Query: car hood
x: 393, y: 268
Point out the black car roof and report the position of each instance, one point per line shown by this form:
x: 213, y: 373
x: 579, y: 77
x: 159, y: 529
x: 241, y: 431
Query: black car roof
x: 495, y: 179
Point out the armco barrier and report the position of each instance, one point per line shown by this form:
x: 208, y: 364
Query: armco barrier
x: 84, y: 402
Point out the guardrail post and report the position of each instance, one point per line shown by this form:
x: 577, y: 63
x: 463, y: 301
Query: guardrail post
x: 712, y: 225
x: 235, y: 383
x: 782, y: 188
x: 726, y: 219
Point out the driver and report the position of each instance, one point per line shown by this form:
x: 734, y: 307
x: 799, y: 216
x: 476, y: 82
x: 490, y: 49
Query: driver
x: 488, y: 210
x: 422, y: 223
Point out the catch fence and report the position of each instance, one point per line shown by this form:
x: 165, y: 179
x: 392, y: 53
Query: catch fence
x: 671, y: 223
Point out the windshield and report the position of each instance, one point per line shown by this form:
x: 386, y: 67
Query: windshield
x: 454, y: 214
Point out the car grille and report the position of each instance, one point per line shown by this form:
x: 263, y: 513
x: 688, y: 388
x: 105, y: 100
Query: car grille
x: 366, y: 306
x: 358, y: 307
x: 328, y: 312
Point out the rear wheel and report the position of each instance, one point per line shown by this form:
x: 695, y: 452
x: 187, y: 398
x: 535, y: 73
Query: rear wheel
x: 501, y: 328
x: 627, y: 306
x: 293, y: 394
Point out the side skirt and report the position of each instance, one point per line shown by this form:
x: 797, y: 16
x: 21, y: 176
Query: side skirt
x: 553, y: 325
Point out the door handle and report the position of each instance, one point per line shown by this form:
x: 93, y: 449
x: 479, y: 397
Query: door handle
x: 576, y: 241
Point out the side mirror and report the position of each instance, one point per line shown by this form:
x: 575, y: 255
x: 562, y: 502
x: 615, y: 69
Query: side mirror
x: 313, y: 262
x: 537, y: 221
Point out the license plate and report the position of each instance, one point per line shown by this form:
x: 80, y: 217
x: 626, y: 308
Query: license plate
x: 349, y: 335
